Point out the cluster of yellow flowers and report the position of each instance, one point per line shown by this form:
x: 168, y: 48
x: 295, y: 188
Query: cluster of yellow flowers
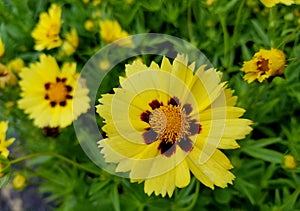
x: 180, y: 116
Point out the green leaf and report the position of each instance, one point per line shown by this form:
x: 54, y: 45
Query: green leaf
x: 114, y: 196
x: 260, y: 32
x: 264, y: 154
x: 263, y: 142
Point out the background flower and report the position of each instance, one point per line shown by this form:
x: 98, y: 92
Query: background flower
x: 264, y: 64
x: 271, y: 3
x: 4, y: 143
x: 111, y: 31
x: 71, y: 43
x: 2, y: 47
x: 46, y: 33
x: 49, y: 95
x: 6, y: 76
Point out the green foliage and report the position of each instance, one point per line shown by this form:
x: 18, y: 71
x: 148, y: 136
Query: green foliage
x: 228, y: 33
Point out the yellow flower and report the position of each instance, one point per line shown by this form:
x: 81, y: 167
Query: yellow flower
x: 6, y: 76
x: 271, y: 3
x: 168, y: 120
x: 1, y: 169
x: 264, y: 64
x: 46, y: 33
x: 96, y: 2
x: 89, y: 25
x: 289, y: 162
x: 48, y: 93
x: 104, y: 64
x: 71, y: 43
x: 15, y: 65
x: 4, y: 143
x: 19, y: 182
x: 2, y: 48
x: 111, y: 31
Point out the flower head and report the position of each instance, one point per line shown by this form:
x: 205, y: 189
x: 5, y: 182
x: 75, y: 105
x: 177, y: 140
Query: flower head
x: 6, y: 76
x: 271, y: 3
x: 2, y: 48
x: 89, y: 25
x: 71, y: 43
x: 111, y: 31
x: 46, y: 33
x: 168, y: 120
x: 19, y: 182
x: 289, y: 162
x: 4, y: 143
x: 49, y: 95
x: 264, y: 64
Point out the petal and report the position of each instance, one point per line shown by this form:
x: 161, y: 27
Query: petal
x: 214, y: 171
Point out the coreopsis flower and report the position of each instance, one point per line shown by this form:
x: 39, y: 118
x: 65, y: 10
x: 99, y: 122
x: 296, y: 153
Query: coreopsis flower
x: 264, y: 64
x: 111, y: 31
x: 165, y: 121
x: 6, y: 76
x: 271, y: 3
x: 49, y: 95
x: 71, y: 43
x: 19, y: 182
x: 2, y: 47
x: 3, y: 142
x: 289, y: 162
x: 46, y: 33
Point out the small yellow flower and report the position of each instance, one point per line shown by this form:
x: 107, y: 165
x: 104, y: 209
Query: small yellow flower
x: 111, y: 31
x: 264, y: 64
x: 104, y: 64
x: 6, y: 76
x: 4, y: 143
x: 271, y: 3
x: 71, y: 43
x: 46, y: 33
x: 16, y: 65
x: 96, y: 2
x: 210, y: 2
x: 19, y: 182
x: 89, y: 25
x: 49, y: 95
x: 289, y: 162
x: 2, y: 47
x: 169, y: 120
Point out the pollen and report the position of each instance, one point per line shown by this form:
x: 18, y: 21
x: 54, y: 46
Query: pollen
x: 263, y: 65
x: 58, y: 92
x: 170, y: 123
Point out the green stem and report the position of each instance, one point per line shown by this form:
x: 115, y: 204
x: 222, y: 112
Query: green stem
x: 189, y: 22
x: 191, y: 205
x: 226, y: 40
x: 289, y: 37
x: 237, y: 22
x: 52, y: 154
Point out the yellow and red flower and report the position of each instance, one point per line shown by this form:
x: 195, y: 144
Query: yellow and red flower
x: 168, y: 120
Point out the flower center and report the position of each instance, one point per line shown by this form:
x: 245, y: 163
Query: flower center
x: 263, y: 65
x: 171, y: 125
x: 53, y: 32
x: 58, y: 92
x: 169, y: 122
